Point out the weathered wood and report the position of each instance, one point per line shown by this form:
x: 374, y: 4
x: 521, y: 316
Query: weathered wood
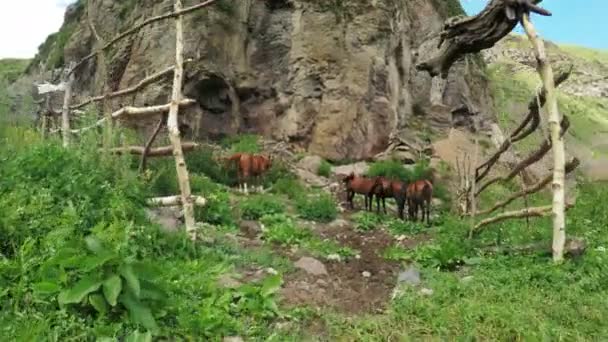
x: 65, y: 113
x: 142, y: 164
x: 173, y: 125
x: 531, y: 159
x: 127, y: 91
x: 153, y: 152
x: 461, y: 36
x: 170, y: 201
x: 533, y: 117
x: 527, y: 212
x: 559, y: 156
x: 138, y: 27
x: 571, y: 166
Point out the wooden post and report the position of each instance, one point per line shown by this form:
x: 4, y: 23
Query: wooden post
x: 559, y: 158
x: 473, y: 184
x: 172, y: 125
x: 65, y: 113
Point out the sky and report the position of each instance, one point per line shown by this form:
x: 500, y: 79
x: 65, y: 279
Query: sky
x: 25, y: 24
x: 571, y: 22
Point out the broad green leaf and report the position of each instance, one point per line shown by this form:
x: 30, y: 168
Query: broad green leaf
x: 46, y: 287
x: 138, y: 312
x: 150, y: 291
x: 99, y: 303
x: 271, y: 285
x: 147, y: 271
x: 94, y: 244
x: 92, y: 262
x: 136, y: 336
x: 82, y: 288
x: 111, y: 289
x: 127, y: 272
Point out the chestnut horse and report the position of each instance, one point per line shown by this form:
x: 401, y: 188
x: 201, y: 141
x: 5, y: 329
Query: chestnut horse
x: 390, y: 188
x: 419, y: 195
x: 360, y: 185
x: 250, y: 165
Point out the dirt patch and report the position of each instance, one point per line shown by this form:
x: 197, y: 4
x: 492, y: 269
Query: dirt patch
x: 356, y: 286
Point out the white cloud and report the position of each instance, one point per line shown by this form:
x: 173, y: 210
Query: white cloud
x: 25, y: 24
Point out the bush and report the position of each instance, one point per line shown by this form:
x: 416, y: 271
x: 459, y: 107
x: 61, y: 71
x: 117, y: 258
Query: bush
x: 317, y: 207
x: 203, y: 161
x: 217, y: 210
x: 366, y: 221
x: 324, y: 169
x: 290, y: 187
x: 259, y: 205
x: 242, y: 143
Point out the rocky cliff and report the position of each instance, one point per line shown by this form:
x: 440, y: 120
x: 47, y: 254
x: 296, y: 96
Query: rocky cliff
x: 332, y: 77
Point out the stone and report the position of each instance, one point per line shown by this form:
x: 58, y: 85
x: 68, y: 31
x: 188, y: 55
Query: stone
x: 311, y: 178
x: 366, y: 274
x: 310, y: 163
x: 311, y: 266
x: 410, y: 276
x: 227, y: 281
x: 250, y: 228
x: 426, y: 292
x: 466, y: 279
x: 233, y: 339
x: 358, y: 168
x: 339, y: 223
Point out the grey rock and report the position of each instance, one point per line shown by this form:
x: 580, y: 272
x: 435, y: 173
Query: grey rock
x: 311, y: 266
x: 410, y: 276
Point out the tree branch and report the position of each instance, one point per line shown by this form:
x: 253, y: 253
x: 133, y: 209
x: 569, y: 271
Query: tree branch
x: 153, y: 152
x: 461, y: 36
x: 142, y: 164
x: 527, y: 212
x: 143, y: 83
x: 573, y: 164
x: 136, y: 28
x: 170, y: 201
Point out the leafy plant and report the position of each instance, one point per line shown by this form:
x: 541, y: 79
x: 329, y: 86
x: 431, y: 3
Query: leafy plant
x: 324, y: 169
x: 366, y: 221
x: 258, y: 205
x: 291, y: 187
x: 106, y: 280
x: 317, y: 207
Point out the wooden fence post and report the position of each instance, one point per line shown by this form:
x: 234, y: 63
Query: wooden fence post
x: 559, y: 158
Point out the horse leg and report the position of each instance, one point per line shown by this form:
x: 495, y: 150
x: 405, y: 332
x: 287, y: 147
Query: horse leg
x: 377, y: 203
x: 384, y: 204
x: 349, y: 198
x: 428, y: 213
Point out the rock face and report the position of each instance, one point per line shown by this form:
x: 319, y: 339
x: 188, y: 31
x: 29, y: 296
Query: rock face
x: 335, y: 78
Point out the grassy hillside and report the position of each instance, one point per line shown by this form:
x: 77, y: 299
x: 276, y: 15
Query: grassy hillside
x: 10, y: 70
x: 582, y: 97
x: 81, y: 259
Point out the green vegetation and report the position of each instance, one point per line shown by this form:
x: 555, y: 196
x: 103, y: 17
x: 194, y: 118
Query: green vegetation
x: 10, y: 70
x: 318, y: 206
x: 324, y: 169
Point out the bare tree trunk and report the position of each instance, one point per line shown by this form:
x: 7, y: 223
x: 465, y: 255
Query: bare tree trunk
x: 142, y: 164
x: 559, y: 158
x: 473, y: 185
x: 172, y: 125
x: 65, y: 113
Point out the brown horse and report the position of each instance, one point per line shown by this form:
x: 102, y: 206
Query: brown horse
x: 360, y: 185
x: 390, y: 188
x: 419, y: 195
x: 249, y: 165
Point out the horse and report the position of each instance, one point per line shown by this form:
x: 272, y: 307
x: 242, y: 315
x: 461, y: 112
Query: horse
x: 249, y: 165
x: 390, y: 188
x: 419, y: 195
x: 361, y: 185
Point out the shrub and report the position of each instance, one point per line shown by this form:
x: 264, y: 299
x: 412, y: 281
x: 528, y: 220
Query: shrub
x: 366, y: 221
x: 203, y: 161
x: 243, y: 143
x: 217, y: 210
x: 259, y: 205
x: 317, y: 207
x: 290, y: 187
x: 324, y: 169
x: 390, y: 169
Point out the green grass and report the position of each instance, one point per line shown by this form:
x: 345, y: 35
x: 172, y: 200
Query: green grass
x: 324, y: 169
x: 69, y: 219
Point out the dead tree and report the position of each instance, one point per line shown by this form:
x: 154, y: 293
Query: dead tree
x: 559, y: 155
x: 461, y: 36
x: 173, y: 126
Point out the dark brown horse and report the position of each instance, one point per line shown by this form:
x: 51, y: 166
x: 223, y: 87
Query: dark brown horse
x: 390, y: 188
x: 360, y: 185
x: 419, y: 196
x: 249, y: 165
